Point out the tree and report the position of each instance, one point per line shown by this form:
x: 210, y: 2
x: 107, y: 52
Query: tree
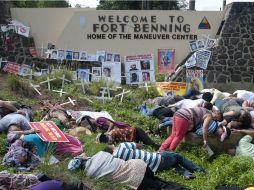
x: 144, y: 4
x: 40, y: 4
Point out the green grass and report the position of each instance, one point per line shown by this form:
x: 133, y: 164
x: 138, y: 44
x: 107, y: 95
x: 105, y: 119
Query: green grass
x: 223, y: 169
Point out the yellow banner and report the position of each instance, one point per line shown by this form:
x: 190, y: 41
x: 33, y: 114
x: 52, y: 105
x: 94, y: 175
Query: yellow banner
x: 176, y: 88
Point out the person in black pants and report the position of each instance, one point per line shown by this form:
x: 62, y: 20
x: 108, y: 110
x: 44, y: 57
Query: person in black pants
x: 130, y: 134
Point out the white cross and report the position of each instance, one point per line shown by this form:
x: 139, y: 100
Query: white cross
x: 121, y: 94
x: 103, y: 98
x: 82, y: 85
x: 83, y: 97
x: 31, y: 74
x: 70, y: 101
x: 60, y: 91
x: 48, y: 81
x: 63, y: 80
x: 145, y: 86
x: 35, y: 88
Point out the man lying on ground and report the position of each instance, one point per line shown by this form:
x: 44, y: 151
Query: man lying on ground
x: 156, y: 161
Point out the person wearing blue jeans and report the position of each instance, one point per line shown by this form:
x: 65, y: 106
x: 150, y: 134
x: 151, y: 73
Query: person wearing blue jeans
x: 157, y: 111
x: 156, y: 161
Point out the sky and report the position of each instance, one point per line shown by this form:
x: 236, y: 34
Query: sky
x: 201, y: 5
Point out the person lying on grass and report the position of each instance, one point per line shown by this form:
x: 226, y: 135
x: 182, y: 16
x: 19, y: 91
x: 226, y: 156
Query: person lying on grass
x: 132, y: 173
x: 156, y: 161
x: 130, y: 134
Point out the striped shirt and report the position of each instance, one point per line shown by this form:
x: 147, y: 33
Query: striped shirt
x: 127, y: 151
x: 212, y: 126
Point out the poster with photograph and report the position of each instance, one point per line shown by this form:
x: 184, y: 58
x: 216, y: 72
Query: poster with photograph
x: 68, y: 55
x: 61, y: 54
x: 74, y: 75
x: 112, y: 71
x: 193, y: 46
x: 200, y: 44
x: 91, y: 57
x: 54, y: 54
x: 166, y: 61
x: 210, y: 43
x: 202, y: 58
x: 194, y: 80
x: 83, y: 74
x: 109, y: 57
x: 139, y: 69
x: 24, y: 70
x: 117, y: 57
x: 75, y: 55
x: 100, y: 55
x: 96, y: 74
x: 83, y: 55
x: 191, y: 62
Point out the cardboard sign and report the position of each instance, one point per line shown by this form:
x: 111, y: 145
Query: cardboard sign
x: 166, y: 61
x: 24, y: 70
x: 169, y: 88
x: 49, y: 131
x: 12, y: 67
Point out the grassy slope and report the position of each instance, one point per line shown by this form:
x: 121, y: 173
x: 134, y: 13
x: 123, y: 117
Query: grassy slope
x: 221, y: 170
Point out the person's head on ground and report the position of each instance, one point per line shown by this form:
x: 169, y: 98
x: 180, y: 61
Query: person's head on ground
x: 223, y: 132
x: 207, y: 96
x: 88, y: 123
x: 110, y: 149
x: 245, y: 119
x: 208, y: 105
x: 104, y: 138
x: 217, y: 115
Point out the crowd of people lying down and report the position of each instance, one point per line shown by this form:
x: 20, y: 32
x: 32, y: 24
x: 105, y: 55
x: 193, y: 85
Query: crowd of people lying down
x: 210, y: 112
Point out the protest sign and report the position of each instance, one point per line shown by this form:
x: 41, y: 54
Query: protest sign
x: 49, y: 132
x: 194, y: 80
x: 139, y: 69
x: 12, y: 67
x: 202, y: 58
x: 168, y: 88
x: 166, y: 61
x: 83, y: 74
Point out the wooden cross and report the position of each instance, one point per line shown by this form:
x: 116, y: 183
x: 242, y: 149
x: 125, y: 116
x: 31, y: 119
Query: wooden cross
x: 61, y: 92
x: 63, y: 80
x: 48, y: 81
x: 70, y: 101
x: 35, y: 88
x: 145, y: 86
x: 122, y: 94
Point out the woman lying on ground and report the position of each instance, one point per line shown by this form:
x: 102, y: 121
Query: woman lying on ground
x: 73, y: 147
x: 184, y: 120
x: 130, y: 134
x: 133, y: 173
x: 14, y: 119
x: 33, y: 182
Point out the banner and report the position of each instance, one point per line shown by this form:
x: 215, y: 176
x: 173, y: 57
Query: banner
x: 166, y: 61
x: 49, y: 132
x: 171, y: 88
x: 12, y: 67
x: 194, y: 80
x: 139, y: 69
